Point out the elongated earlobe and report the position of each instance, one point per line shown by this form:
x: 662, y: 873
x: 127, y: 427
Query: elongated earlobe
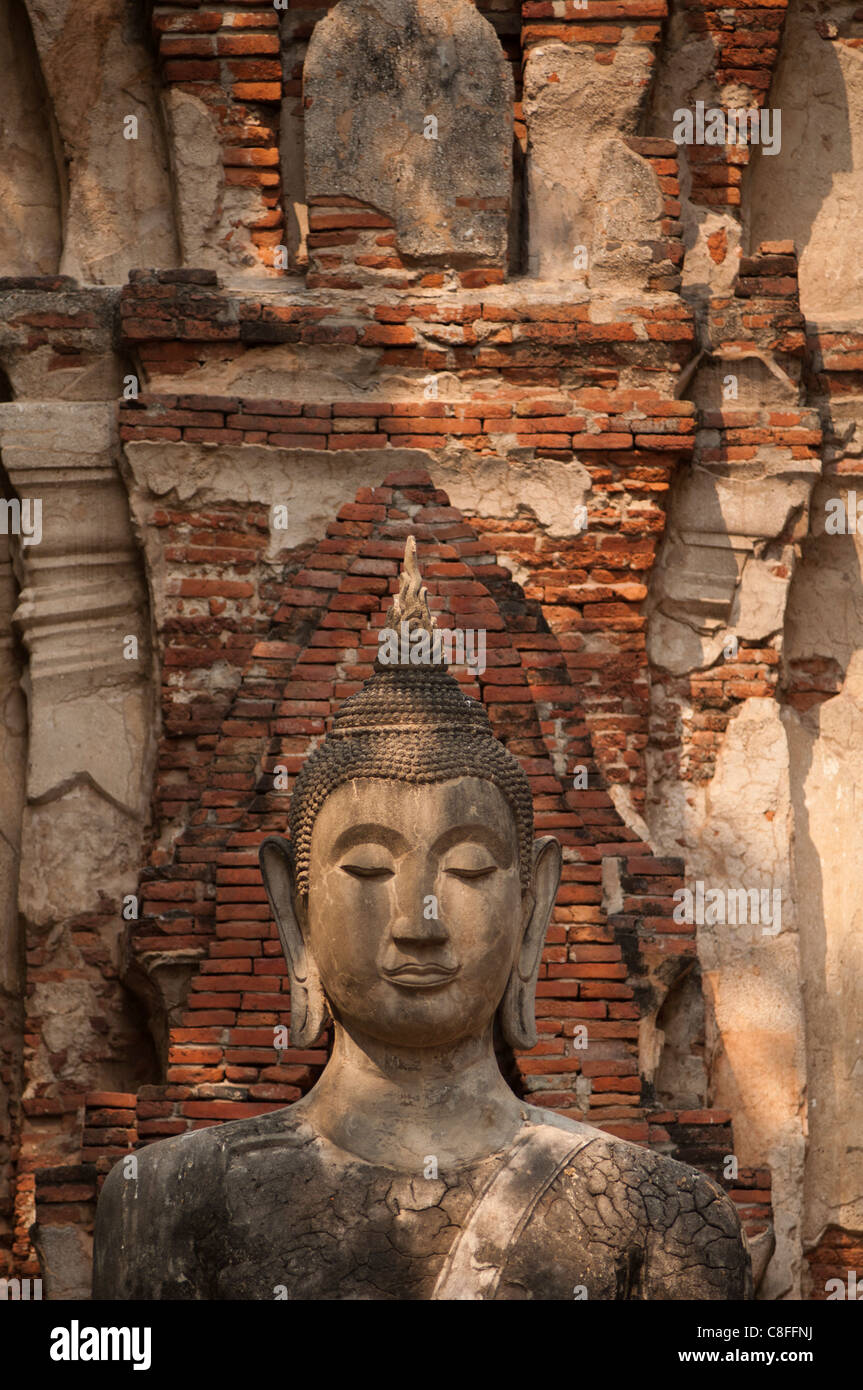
x: 518, y: 1008
x: 310, y: 1012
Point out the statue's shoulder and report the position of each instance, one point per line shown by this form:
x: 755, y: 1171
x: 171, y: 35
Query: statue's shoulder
x: 686, y: 1225
x: 185, y: 1157
x: 161, y: 1210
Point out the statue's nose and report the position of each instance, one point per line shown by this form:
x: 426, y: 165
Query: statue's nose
x: 418, y: 916
x: 419, y: 929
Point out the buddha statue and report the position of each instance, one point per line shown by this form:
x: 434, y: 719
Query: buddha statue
x: 412, y: 903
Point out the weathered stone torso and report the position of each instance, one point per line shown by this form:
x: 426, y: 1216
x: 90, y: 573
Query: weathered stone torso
x: 266, y: 1208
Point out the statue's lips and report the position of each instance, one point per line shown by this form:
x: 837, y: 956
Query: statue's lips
x: 421, y: 976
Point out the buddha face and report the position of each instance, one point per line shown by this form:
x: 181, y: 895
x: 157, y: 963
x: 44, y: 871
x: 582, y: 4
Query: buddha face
x: 415, y: 909
x: 415, y: 926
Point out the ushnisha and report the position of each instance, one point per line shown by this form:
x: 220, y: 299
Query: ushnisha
x: 412, y: 903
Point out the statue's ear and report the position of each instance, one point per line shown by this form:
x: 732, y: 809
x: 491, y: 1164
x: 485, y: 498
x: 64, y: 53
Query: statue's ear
x: 309, y: 1011
x: 517, y: 1011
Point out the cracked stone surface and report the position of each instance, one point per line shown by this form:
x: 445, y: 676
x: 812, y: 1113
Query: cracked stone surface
x: 267, y: 1208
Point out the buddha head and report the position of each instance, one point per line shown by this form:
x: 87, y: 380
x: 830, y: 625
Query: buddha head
x: 412, y: 901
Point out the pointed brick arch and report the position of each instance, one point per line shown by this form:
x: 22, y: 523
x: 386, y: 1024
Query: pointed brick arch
x: 206, y: 907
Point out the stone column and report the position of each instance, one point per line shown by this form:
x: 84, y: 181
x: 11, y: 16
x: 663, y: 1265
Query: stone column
x: 83, y: 619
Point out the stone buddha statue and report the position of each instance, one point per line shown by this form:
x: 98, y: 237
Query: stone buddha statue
x: 412, y: 903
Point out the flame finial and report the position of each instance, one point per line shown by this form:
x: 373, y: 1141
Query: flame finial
x: 411, y: 604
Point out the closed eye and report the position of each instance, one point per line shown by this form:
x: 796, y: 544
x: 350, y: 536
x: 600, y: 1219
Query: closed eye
x: 482, y: 872
x: 367, y: 870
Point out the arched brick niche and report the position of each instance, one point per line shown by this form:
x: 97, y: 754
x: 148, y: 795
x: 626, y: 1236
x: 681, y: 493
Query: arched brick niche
x: 206, y: 899
x: 298, y: 26
x: 612, y: 950
x: 412, y: 138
